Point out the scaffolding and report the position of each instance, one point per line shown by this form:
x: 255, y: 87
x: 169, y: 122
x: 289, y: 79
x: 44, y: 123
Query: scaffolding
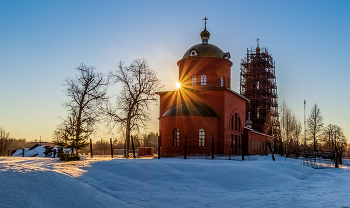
x: 258, y: 84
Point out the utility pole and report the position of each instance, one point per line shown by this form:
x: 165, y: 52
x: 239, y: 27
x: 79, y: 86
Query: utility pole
x: 304, y: 123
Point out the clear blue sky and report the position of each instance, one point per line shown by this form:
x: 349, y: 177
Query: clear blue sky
x: 42, y: 42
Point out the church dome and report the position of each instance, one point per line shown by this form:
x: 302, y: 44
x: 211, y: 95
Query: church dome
x: 204, y: 50
x: 205, y: 33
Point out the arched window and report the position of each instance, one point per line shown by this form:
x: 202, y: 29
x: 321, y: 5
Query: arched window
x: 239, y: 124
x: 222, y: 81
x: 232, y: 122
x: 203, y: 80
x: 235, y: 122
x: 193, y: 79
x: 176, y: 137
x: 201, y: 137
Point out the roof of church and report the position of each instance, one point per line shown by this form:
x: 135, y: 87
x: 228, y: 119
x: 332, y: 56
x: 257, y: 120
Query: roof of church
x: 205, y: 50
x: 191, y: 108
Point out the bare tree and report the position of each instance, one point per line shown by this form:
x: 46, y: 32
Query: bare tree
x: 290, y: 128
x: 296, y: 133
x: 339, y: 138
x: 6, y: 143
x: 132, y: 107
x: 315, y: 125
x: 85, y: 92
x: 328, y: 137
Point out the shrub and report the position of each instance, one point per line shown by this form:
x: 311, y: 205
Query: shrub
x: 68, y: 157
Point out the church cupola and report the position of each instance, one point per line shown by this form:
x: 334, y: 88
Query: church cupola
x: 257, y: 46
x: 205, y: 34
x: 249, y: 122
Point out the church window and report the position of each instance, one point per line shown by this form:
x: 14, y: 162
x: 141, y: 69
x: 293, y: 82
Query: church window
x: 176, y: 137
x: 235, y: 123
x: 232, y: 122
x: 203, y: 80
x: 193, y: 53
x: 222, y: 81
x: 236, y: 118
x: 202, y: 138
x: 193, y: 79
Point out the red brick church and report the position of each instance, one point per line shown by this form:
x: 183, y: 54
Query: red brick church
x: 204, y: 114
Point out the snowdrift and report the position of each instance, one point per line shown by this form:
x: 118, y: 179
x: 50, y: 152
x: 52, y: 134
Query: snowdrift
x: 38, y: 151
x: 172, y: 182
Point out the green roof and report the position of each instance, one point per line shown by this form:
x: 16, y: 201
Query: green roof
x: 190, y: 109
x: 205, y: 50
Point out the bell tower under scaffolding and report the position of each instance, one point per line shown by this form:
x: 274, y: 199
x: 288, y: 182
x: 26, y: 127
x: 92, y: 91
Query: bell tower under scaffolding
x: 258, y: 84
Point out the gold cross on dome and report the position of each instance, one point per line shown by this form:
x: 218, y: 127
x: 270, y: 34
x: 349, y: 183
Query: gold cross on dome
x: 205, y: 19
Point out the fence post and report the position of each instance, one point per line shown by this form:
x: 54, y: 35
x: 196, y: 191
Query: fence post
x: 133, y: 147
x: 159, y: 140
x: 212, y: 148
x: 231, y: 147
x: 23, y: 152
x: 243, y: 148
x: 185, y: 156
x: 91, y: 148
x: 272, y: 153
x: 111, y: 147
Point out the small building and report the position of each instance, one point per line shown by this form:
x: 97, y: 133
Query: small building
x: 204, y: 114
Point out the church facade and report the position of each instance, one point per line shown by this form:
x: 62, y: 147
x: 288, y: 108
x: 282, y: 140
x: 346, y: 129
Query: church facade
x: 204, y: 115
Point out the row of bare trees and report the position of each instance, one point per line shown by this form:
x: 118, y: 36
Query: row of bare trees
x: 318, y: 137
x: 88, y: 102
x: 291, y: 129
x: 7, y: 143
x: 140, y: 140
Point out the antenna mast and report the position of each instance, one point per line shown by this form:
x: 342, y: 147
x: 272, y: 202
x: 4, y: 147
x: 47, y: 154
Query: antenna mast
x: 304, y: 123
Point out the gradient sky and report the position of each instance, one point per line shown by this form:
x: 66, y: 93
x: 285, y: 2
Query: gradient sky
x: 42, y: 42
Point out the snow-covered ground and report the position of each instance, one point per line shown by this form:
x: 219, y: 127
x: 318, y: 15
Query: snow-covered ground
x: 102, y: 182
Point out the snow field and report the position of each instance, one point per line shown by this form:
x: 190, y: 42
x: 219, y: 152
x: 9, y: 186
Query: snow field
x: 173, y: 182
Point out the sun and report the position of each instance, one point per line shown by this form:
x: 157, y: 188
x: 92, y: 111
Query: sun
x: 178, y: 85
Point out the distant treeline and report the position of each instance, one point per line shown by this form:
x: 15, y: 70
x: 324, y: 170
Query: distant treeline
x: 315, y: 136
x: 7, y: 144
